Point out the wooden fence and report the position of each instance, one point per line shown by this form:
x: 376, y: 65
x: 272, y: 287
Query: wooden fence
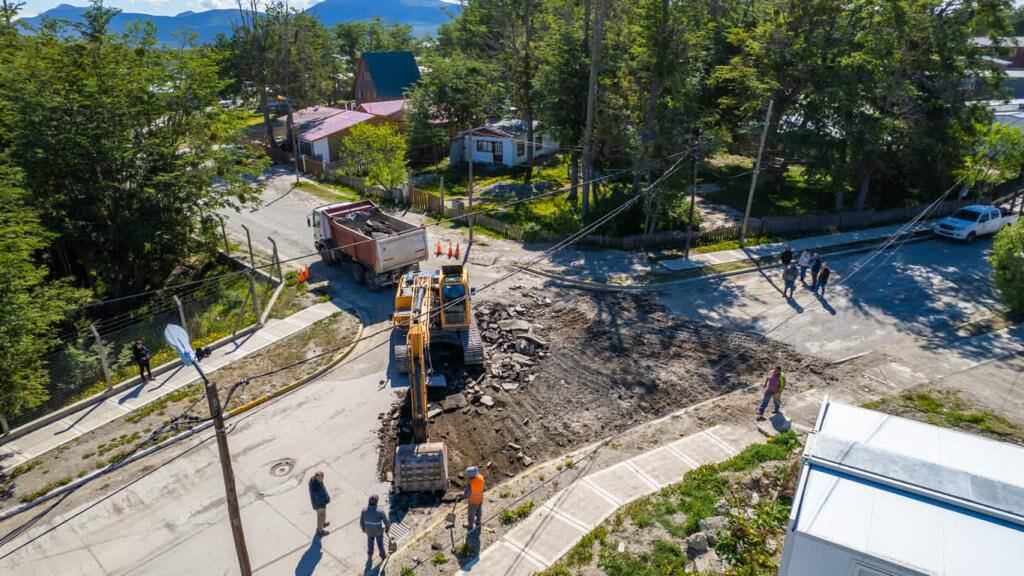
x: 784, y: 226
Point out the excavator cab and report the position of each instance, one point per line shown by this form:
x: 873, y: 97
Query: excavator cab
x: 455, y: 313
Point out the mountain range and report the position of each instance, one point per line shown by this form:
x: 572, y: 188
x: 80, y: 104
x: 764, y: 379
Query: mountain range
x: 423, y: 15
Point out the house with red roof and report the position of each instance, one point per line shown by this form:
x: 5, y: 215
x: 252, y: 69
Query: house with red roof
x: 320, y: 138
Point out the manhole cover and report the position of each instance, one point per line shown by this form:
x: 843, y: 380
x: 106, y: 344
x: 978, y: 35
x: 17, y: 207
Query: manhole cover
x: 282, y: 467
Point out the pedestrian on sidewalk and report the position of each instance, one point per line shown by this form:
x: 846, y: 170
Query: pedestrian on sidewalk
x: 474, y: 494
x: 805, y: 263
x: 787, y: 255
x: 773, y: 386
x: 789, y: 278
x: 142, y: 357
x: 815, y: 270
x: 374, y: 523
x: 319, y: 497
x: 823, y: 277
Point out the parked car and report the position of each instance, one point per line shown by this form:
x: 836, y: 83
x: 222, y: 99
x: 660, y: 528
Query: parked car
x: 972, y: 221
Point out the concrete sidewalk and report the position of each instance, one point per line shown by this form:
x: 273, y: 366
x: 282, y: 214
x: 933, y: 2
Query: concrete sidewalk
x: 812, y: 243
x: 554, y: 528
x: 93, y: 416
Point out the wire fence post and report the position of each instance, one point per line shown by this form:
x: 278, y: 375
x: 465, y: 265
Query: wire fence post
x: 256, y: 305
x: 103, y: 356
x: 4, y: 428
x: 276, y: 261
x: 181, y: 313
x: 224, y: 234
x: 248, y: 238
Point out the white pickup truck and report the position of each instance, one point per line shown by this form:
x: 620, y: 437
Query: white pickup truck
x: 972, y: 221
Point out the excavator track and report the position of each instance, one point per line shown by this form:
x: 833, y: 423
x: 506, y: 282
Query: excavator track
x: 473, y: 346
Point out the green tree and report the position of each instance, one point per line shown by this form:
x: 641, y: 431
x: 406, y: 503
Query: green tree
x: 31, y: 305
x: 997, y: 157
x: 124, y: 149
x: 376, y: 151
x: 1007, y: 261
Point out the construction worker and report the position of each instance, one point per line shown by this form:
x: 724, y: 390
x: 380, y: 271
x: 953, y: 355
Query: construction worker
x: 374, y: 523
x: 474, y: 494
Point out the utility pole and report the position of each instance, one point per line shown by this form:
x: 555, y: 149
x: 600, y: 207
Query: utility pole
x: 693, y: 195
x: 178, y: 339
x: 757, y: 169
x: 470, y: 188
x: 592, y: 85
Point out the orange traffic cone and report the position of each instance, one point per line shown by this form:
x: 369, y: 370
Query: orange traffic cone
x: 438, y: 254
x: 457, y: 246
x: 449, y: 250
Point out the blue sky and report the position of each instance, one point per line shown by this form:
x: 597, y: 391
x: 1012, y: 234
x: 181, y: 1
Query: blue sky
x: 160, y: 7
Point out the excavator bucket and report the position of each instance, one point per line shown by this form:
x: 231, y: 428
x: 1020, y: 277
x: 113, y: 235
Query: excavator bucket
x: 421, y: 467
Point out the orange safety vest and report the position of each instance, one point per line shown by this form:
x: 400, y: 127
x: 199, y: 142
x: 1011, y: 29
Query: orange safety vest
x: 476, y: 489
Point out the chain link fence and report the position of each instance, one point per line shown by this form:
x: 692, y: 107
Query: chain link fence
x: 97, y: 357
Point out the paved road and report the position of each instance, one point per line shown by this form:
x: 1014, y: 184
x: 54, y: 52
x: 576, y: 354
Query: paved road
x: 906, y: 307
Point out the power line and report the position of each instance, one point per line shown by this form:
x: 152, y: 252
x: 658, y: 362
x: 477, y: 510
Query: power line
x: 568, y: 241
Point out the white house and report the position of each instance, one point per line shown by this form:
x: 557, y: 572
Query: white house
x: 880, y: 495
x: 501, y: 143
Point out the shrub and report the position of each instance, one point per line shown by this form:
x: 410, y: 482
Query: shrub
x: 510, y: 516
x: 1007, y: 261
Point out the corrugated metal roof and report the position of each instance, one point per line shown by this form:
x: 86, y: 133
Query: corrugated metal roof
x: 344, y: 120
x: 385, y: 108
x: 927, y: 498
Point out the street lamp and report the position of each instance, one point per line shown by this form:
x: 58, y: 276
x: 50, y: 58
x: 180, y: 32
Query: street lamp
x: 178, y: 339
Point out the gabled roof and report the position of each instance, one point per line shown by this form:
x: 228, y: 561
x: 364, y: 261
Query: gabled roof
x: 344, y: 120
x: 385, y: 108
x: 393, y: 73
x: 307, y: 118
x: 505, y: 128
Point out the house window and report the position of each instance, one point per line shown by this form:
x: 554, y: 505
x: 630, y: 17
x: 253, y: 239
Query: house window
x: 520, y: 149
x: 484, y: 146
x: 305, y: 148
x: 538, y: 141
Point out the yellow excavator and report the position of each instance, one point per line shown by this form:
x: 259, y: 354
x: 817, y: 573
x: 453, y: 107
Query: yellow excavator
x: 430, y: 308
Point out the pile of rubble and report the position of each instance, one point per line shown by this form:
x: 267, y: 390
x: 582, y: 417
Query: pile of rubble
x: 513, y: 343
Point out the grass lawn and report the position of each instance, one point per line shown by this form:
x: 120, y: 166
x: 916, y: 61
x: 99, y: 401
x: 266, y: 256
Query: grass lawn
x: 793, y: 194
x: 330, y: 192
x: 456, y: 177
x: 947, y: 409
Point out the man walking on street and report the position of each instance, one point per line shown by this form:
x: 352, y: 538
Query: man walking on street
x: 374, y: 523
x: 815, y: 270
x: 142, y: 356
x: 823, y: 277
x: 773, y: 386
x: 787, y: 255
x: 474, y: 493
x: 805, y: 263
x: 319, y: 497
x: 789, y: 278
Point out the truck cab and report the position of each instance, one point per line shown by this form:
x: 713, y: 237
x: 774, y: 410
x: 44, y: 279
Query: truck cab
x: 972, y: 221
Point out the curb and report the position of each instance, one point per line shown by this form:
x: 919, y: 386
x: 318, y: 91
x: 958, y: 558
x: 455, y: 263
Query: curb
x: 4, y: 515
x: 132, y: 382
x: 655, y: 286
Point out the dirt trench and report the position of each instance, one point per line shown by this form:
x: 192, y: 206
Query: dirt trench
x: 592, y: 365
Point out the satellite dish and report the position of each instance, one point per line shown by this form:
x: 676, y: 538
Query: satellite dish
x: 178, y: 339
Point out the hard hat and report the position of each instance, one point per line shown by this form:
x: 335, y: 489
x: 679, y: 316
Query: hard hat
x: 472, y: 472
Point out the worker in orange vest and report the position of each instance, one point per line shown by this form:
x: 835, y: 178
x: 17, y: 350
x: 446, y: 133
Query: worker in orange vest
x: 475, y: 495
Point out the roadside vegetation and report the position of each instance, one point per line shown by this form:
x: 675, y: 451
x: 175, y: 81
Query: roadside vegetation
x: 947, y: 408
x: 721, y: 518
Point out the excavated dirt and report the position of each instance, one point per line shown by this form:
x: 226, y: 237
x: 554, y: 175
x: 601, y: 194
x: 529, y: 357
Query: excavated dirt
x: 582, y: 367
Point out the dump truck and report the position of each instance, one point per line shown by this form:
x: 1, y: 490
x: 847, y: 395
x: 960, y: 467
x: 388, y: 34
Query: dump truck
x: 431, y: 308
x: 379, y: 248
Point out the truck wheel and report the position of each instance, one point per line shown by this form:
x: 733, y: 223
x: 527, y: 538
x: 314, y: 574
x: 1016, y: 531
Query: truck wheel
x: 970, y: 237
x: 327, y: 256
x: 358, y: 273
x: 373, y: 282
